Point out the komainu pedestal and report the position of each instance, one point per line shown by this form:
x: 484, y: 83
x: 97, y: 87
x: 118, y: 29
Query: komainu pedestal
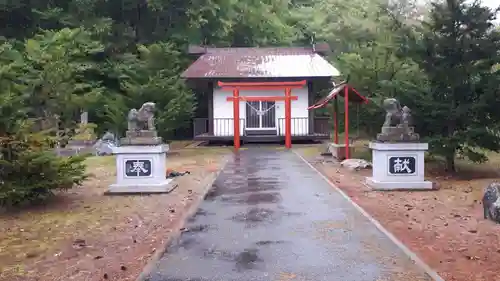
x: 141, y: 169
x: 398, y: 166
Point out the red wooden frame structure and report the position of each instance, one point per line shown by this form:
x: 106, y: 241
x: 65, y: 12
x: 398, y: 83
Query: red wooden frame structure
x: 236, y: 98
x: 346, y: 91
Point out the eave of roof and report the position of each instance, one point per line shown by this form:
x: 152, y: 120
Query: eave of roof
x: 354, y: 96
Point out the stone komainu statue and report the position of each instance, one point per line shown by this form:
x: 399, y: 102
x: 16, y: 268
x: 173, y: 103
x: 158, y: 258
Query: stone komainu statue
x: 396, y: 116
x: 398, y: 123
x: 142, y: 119
x: 393, y: 113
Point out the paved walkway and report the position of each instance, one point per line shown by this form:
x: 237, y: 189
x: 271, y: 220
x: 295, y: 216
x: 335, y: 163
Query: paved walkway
x: 271, y: 217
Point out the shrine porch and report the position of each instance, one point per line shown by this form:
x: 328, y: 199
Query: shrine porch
x: 222, y: 129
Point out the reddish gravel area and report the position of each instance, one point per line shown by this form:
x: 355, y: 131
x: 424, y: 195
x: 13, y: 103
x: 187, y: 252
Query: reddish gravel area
x: 444, y: 227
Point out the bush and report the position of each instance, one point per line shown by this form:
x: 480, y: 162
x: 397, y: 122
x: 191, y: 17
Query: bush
x: 30, y: 173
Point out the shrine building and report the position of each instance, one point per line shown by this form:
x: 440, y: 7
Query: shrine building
x: 267, y: 90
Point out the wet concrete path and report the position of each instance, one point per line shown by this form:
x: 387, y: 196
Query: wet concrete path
x: 271, y: 217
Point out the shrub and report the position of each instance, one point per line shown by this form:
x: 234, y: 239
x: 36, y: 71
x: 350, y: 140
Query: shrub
x: 30, y: 173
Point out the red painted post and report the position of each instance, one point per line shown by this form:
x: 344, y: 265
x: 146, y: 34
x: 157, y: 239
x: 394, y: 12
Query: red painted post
x: 346, y: 123
x: 288, y: 118
x: 236, y: 118
x: 335, y: 119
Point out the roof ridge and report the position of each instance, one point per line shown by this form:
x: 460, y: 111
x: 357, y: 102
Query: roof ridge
x: 280, y: 50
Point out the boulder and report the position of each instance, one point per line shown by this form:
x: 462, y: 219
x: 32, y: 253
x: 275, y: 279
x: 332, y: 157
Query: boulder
x: 105, y: 145
x: 356, y: 164
x: 491, y: 202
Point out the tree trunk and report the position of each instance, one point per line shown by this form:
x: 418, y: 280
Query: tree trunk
x: 450, y: 163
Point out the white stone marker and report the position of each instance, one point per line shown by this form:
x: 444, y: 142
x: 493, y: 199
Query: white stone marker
x: 398, y: 166
x: 141, y: 169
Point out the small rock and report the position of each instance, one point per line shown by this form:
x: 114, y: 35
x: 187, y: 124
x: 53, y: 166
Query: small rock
x: 30, y: 255
x: 473, y: 231
x: 80, y: 242
x: 98, y: 257
x: 445, y: 224
x: 172, y: 211
x: 472, y: 258
x: 135, y: 241
x: 436, y: 186
x: 408, y: 207
x: 123, y: 267
x: 105, y: 276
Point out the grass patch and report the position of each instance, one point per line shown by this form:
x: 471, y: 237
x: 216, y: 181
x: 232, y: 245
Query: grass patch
x: 362, y: 153
x: 99, y: 161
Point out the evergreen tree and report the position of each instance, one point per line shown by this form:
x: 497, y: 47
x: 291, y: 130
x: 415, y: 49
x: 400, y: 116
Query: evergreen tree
x: 29, y: 171
x: 457, y: 51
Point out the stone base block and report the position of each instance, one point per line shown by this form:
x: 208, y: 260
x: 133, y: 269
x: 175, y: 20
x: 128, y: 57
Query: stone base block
x: 143, y: 188
x: 398, y: 134
x: 141, y: 141
x: 141, y: 134
x: 393, y: 186
x: 338, y: 151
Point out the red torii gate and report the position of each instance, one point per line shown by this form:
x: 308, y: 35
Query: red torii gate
x: 286, y: 86
x: 343, y: 89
